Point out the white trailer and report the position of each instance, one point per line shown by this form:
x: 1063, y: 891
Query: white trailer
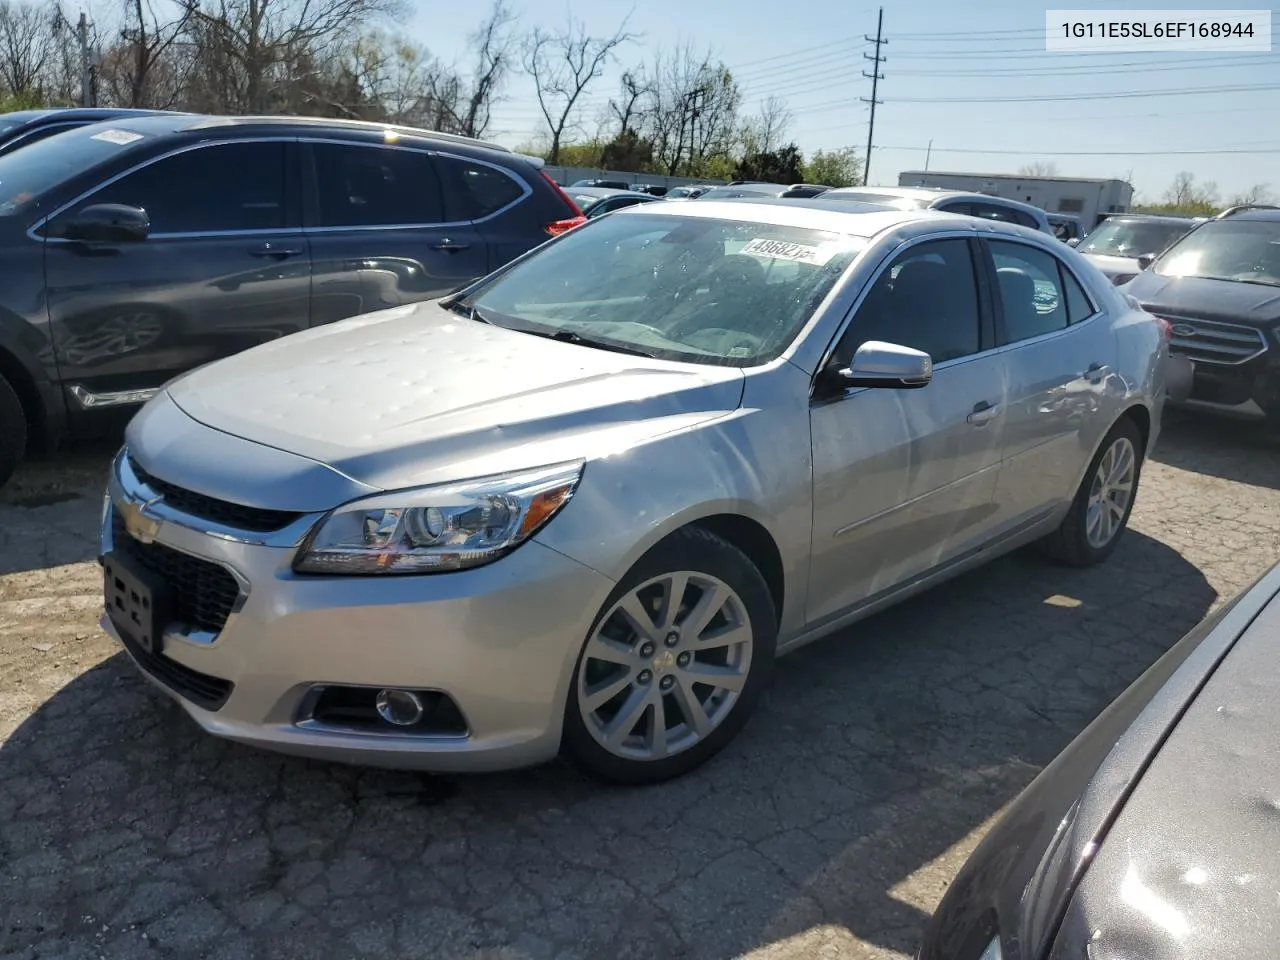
x: 1089, y: 200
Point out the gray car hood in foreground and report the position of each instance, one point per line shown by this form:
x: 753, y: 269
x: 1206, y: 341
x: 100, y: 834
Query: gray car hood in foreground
x: 1190, y: 869
x: 418, y: 395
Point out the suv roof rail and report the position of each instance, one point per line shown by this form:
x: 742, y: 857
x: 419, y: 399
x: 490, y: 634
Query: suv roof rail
x: 1241, y: 207
x: 394, y: 128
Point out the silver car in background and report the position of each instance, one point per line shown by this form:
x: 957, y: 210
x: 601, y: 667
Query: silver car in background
x: 586, y: 501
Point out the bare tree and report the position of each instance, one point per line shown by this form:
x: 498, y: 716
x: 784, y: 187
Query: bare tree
x: 247, y: 46
x: 1185, y: 194
x: 691, y: 111
x: 1258, y: 193
x: 770, y: 127
x: 626, y: 108
x: 140, y: 71
x: 1040, y: 168
x: 26, y: 45
x: 563, y: 64
x: 493, y: 45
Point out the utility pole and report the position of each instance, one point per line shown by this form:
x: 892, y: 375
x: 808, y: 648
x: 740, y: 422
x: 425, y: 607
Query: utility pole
x: 86, y: 67
x: 928, y: 151
x: 875, y: 76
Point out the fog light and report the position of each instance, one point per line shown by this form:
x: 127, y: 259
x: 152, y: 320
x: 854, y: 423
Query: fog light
x: 401, y: 708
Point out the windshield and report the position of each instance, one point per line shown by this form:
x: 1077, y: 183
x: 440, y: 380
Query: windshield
x: 896, y: 200
x: 743, y: 190
x: 710, y: 291
x: 28, y: 173
x: 1242, y: 250
x: 1132, y: 238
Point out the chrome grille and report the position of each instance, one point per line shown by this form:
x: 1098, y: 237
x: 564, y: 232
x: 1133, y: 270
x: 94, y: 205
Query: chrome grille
x: 227, y: 514
x: 1214, y: 341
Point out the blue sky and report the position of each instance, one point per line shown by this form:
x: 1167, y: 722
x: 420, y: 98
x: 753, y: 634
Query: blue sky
x: 939, y: 53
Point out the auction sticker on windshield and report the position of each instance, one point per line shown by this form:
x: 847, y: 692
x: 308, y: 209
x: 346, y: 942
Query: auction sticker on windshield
x: 796, y: 252
x: 117, y: 136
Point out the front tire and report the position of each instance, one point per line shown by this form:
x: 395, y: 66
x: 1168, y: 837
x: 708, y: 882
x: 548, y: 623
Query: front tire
x: 675, y: 663
x: 1100, y: 511
x: 13, y: 431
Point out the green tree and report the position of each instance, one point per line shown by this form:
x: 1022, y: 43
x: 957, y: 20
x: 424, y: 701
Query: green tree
x: 785, y: 165
x: 834, y: 168
x: 627, y: 151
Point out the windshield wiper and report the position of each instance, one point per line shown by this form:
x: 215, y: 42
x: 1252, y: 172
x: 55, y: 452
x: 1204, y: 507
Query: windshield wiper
x: 569, y: 336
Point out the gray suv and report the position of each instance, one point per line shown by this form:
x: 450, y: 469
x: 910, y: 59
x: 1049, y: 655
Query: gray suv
x: 949, y: 201
x: 138, y: 248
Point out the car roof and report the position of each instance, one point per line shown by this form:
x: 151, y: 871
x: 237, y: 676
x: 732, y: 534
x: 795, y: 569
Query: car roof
x: 1256, y: 213
x: 818, y: 214
x: 1155, y: 217
x: 58, y: 114
x: 604, y: 192
x: 933, y: 194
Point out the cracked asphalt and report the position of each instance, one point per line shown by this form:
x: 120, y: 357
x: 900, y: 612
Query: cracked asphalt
x: 829, y: 829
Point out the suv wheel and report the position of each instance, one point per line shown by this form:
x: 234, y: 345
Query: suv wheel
x: 13, y: 431
x: 675, y: 663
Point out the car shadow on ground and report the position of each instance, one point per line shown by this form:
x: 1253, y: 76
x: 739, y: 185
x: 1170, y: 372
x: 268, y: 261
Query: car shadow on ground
x: 1228, y: 449
x: 877, y: 750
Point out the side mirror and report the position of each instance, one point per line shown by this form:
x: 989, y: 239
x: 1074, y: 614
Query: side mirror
x: 880, y: 364
x: 1146, y: 260
x: 1073, y: 242
x: 108, y: 223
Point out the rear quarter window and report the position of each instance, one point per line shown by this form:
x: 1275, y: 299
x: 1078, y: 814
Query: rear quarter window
x: 476, y: 190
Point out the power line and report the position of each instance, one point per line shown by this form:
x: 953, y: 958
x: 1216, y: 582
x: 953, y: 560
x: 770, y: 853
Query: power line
x: 1126, y: 95
x: 1275, y: 148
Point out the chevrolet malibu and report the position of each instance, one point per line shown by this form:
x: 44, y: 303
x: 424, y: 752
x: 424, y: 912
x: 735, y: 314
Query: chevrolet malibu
x: 584, y: 502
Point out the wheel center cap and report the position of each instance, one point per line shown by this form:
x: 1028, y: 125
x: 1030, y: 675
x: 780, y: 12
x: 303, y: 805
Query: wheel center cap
x: 664, y: 661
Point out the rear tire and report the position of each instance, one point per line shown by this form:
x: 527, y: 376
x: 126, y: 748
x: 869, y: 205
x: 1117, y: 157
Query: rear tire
x: 13, y: 431
x: 653, y: 700
x: 1100, y: 511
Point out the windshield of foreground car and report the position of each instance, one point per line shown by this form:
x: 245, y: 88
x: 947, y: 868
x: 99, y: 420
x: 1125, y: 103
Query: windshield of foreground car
x: 28, y: 173
x: 1132, y: 238
x: 1241, y: 250
x: 698, y: 290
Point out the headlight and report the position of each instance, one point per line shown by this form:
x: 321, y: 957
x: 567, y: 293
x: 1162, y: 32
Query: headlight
x: 439, y: 528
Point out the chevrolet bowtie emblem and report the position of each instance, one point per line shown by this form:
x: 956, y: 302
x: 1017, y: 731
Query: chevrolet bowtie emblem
x: 141, y: 526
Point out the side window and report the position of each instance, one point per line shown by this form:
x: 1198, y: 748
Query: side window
x: 375, y: 186
x: 956, y: 207
x: 474, y: 190
x: 927, y: 298
x: 1078, y: 305
x: 993, y: 211
x: 240, y: 187
x: 1024, y: 219
x: 1030, y: 287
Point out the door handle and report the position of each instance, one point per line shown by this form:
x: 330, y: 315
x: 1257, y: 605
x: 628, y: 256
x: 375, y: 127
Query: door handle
x: 983, y: 412
x: 1096, y: 373
x: 269, y: 251
x: 450, y: 245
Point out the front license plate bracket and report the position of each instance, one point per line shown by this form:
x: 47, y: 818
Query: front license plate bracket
x: 136, y: 603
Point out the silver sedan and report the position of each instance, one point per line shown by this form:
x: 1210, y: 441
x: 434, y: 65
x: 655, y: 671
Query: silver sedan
x: 584, y: 503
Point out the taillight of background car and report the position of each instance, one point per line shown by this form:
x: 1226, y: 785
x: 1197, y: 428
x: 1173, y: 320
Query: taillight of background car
x: 557, y: 227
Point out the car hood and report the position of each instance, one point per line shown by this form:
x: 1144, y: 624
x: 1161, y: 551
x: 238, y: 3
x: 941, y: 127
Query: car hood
x: 1189, y: 868
x: 417, y: 395
x: 1197, y: 297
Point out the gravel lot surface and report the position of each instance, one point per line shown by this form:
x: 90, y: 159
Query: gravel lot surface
x: 828, y: 830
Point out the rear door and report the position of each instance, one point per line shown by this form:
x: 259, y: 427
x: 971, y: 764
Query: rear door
x: 380, y: 232
x: 1060, y: 355
x: 225, y: 268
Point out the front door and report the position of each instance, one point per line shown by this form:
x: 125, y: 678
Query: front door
x: 1061, y: 365
x: 904, y: 479
x: 225, y: 268
x: 380, y: 233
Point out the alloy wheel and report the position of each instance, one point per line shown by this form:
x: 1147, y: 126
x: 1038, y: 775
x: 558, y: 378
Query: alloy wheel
x: 665, y: 666
x: 1110, y: 493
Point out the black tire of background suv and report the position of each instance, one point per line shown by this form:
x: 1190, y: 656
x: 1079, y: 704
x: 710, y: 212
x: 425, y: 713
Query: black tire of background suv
x: 1069, y: 544
x: 13, y: 431
x: 691, y: 548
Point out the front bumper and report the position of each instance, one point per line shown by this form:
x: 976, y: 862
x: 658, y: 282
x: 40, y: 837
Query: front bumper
x: 500, y: 641
x: 1247, y: 391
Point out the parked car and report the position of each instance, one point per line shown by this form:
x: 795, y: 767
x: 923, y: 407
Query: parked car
x: 585, y: 196
x: 1217, y: 287
x: 1065, y: 227
x: 653, y: 189
x: 617, y: 202
x: 950, y: 201
x: 1116, y: 245
x: 23, y: 127
x: 604, y: 184
x: 689, y: 192
x: 609, y: 482
x: 139, y: 248
x: 1151, y: 835
x: 752, y: 190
